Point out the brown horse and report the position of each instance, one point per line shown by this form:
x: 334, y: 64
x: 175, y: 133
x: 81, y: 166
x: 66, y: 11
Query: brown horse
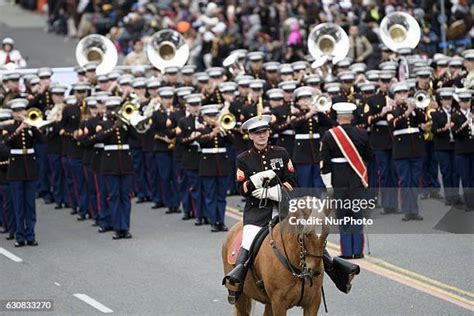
x: 303, y: 246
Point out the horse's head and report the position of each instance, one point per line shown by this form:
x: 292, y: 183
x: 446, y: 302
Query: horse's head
x: 312, y: 232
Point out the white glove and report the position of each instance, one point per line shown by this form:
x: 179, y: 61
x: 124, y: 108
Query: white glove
x: 327, y: 180
x: 257, y: 179
x: 273, y: 193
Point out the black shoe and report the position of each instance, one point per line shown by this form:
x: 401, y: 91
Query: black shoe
x: 406, y: 218
x: 32, y: 243
x: 81, y: 218
x: 19, y: 244
x: 170, y: 210
x: 74, y: 211
x: 234, y: 280
x: 359, y: 256
x: 198, y: 222
x: 186, y: 216
x: 141, y: 200
x: 157, y: 206
x: 206, y: 221
x: 58, y: 206
x: 417, y: 217
x: 116, y: 235
x: 223, y: 228
x: 214, y: 228
x: 126, y: 234
x: 10, y: 237
x: 95, y: 223
x: 104, y: 229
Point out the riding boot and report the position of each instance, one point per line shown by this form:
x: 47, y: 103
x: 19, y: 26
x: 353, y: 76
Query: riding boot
x: 340, y: 271
x: 234, y: 280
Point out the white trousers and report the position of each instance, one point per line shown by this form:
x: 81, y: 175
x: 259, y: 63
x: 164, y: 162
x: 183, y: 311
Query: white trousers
x: 250, y: 231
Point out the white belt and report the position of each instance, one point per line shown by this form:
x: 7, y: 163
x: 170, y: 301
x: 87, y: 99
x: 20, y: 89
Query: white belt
x: 24, y: 151
x: 410, y: 130
x: 339, y: 160
x: 99, y: 145
x: 275, y: 136
x: 116, y: 147
x: 214, y: 150
x: 288, y: 132
x: 307, y: 136
x: 381, y: 123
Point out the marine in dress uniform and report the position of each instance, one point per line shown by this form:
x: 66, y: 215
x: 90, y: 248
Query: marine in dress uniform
x: 216, y: 77
x: 214, y: 166
x: 271, y: 75
x: 443, y: 139
x: 381, y: 142
x: 7, y: 213
x: 463, y: 130
x: 280, y: 125
x: 186, y: 136
x: 12, y: 82
x: 22, y: 172
x: 347, y: 174
x: 256, y: 65
x: 408, y: 149
x: 307, y: 125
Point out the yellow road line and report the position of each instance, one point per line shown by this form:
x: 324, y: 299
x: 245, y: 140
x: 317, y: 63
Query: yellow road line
x: 402, y: 275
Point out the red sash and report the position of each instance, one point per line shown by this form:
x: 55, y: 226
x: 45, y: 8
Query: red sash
x: 350, y: 153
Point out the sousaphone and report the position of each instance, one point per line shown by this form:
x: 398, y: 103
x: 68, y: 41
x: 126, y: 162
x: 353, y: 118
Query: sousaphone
x: 95, y: 48
x: 399, y: 30
x: 167, y: 48
x: 327, y: 42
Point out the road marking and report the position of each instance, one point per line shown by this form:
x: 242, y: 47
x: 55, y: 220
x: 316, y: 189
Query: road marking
x: 401, y: 275
x: 92, y: 302
x: 57, y: 284
x: 10, y: 256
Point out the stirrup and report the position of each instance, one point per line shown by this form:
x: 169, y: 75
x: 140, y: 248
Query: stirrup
x: 233, y: 297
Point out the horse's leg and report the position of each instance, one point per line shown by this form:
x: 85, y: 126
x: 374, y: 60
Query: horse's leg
x: 268, y: 310
x: 278, y: 308
x: 311, y: 310
x: 243, y: 306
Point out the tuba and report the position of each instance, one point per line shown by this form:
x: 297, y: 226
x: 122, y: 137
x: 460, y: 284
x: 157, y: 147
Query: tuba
x: 233, y: 64
x: 327, y: 41
x: 167, y: 48
x: 400, y: 30
x: 422, y: 99
x: 98, y: 49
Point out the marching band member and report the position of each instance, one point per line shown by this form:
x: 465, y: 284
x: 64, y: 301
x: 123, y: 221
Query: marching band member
x: 187, y: 133
x: 381, y: 141
x: 22, y: 172
x: 161, y: 128
x: 54, y: 148
x: 307, y: 126
x: 281, y: 113
x: 216, y: 77
x: 12, y: 83
x: 463, y: 130
x: 187, y: 74
x: 7, y: 213
x: 444, y: 145
x: 256, y: 64
x: 408, y: 149
x: 271, y: 75
x: 214, y: 166
x: 286, y: 72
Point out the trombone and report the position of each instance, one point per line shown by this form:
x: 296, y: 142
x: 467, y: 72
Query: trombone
x: 130, y: 115
x: 34, y: 118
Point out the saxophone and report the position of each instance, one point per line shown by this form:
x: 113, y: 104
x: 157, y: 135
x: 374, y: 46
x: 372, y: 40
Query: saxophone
x: 259, y: 106
x: 428, y: 134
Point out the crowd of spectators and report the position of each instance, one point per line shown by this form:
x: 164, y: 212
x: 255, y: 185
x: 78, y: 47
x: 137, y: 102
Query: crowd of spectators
x: 278, y: 28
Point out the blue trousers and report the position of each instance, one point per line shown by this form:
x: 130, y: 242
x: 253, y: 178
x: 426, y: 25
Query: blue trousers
x: 181, y: 180
x: 233, y: 168
x: 409, y: 172
x: 44, y: 183
x: 351, y: 243
x: 447, y: 165
x: 105, y: 214
x: 6, y: 209
x: 388, y: 178
x: 66, y: 170
x: 74, y: 180
x: 84, y: 194
x: 23, y: 200
x: 430, y: 169
x: 309, y: 176
x: 214, y: 189
x: 192, y: 198
x: 120, y: 193
x: 153, y: 177
x: 465, y: 163
x: 140, y: 185
x: 57, y: 178
x: 168, y: 183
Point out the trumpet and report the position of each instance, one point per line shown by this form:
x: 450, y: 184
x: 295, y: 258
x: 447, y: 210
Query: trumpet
x: 322, y: 103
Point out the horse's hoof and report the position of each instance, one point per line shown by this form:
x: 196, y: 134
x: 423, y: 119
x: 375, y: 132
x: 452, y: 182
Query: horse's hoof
x: 232, y: 298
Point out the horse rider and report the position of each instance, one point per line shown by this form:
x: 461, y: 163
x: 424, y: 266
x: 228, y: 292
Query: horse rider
x: 257, y: 165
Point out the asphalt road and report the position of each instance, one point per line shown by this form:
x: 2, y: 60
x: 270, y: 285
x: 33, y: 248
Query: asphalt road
x: 171, y: 267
